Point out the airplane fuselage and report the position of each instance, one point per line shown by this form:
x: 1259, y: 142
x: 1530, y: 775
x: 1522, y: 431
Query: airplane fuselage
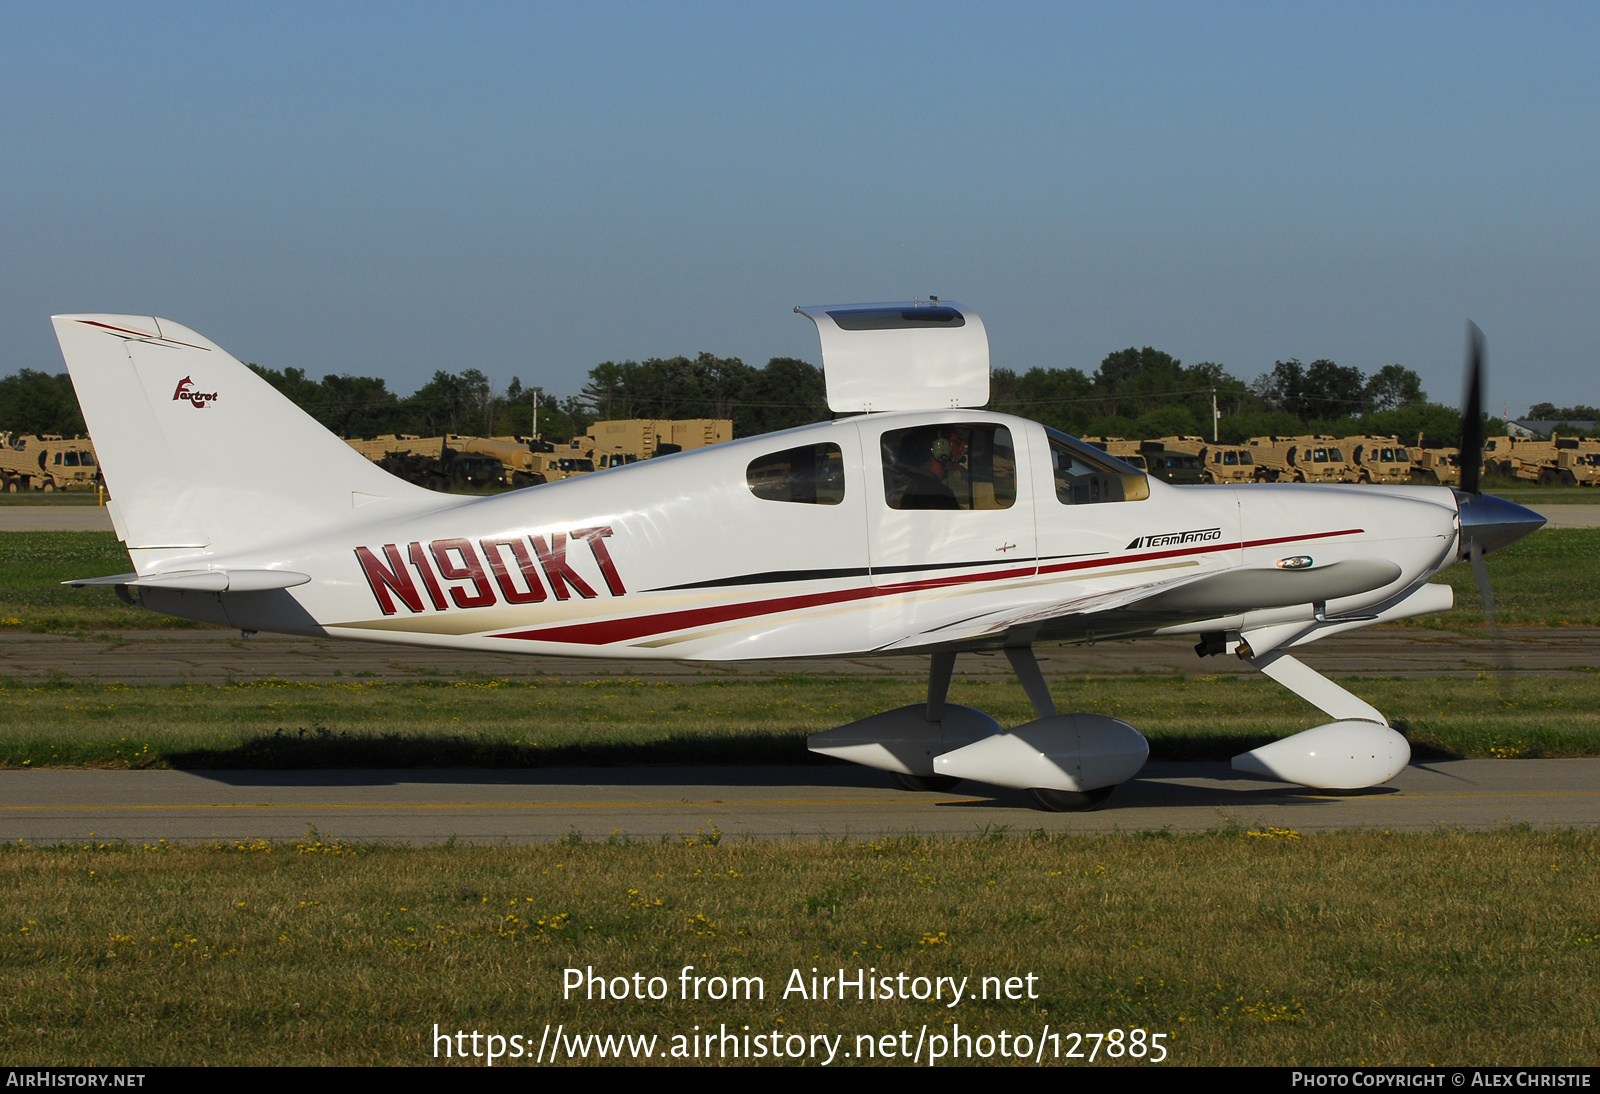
x: 816, y: 541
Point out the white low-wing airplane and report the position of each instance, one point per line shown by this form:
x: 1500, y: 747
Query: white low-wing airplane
x: 919, y: 524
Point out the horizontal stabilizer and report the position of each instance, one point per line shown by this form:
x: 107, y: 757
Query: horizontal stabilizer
x: 202, y: 581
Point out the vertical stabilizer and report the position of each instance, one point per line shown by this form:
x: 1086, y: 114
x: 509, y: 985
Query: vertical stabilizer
x: 201, y: 453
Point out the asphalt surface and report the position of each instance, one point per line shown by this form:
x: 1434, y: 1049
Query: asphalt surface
x: 50, y: 806
x: 54, y: 518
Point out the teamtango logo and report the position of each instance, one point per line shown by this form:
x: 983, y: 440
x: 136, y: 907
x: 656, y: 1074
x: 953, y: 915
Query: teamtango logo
x: 1173, y: 539
x: 196, y: 399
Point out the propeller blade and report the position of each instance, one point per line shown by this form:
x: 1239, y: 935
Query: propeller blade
x: 1472, y: 412
x: 1482, y: 571
x: 1502, y: 655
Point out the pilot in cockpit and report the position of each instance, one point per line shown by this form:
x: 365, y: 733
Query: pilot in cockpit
x: 924, y: 464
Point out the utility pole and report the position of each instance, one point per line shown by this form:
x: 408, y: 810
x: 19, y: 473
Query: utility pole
x: 1216, y: 415
x: 534, y: 428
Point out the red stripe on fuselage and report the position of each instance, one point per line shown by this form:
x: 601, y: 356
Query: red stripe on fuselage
x: 606, y: 631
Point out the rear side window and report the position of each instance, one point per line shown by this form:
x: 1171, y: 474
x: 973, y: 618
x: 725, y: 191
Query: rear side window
x: 810, y: 475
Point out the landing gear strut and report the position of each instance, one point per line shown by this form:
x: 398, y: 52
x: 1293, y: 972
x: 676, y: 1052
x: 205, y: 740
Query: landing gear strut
x: 940, y: 668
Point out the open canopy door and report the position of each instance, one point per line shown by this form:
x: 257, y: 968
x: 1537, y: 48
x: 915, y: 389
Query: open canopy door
x: 902, y: 356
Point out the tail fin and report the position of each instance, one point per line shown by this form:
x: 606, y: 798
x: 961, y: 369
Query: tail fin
x: 200, y: 452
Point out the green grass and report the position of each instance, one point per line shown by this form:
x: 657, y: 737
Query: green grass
x: 1548, y: 579
x: 34, y: 564
x: 54, y: 498
x: 515, y: 723
x: 1535, y: 496
x: 1240, y: 946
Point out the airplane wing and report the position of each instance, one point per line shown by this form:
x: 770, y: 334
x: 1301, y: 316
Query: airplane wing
x: 1198, y: 596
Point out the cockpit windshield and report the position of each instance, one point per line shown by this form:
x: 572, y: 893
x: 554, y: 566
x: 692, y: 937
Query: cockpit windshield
x: 1084, y: 475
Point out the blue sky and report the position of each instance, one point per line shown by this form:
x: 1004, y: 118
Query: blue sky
x: 529, y: 190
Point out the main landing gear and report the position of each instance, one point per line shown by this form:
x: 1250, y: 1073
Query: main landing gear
x: 1067, y: 762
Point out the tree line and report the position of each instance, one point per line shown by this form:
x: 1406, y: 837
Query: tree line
x: 1549, y: 412
x: 1134, y: 393
x: 1147, y: 393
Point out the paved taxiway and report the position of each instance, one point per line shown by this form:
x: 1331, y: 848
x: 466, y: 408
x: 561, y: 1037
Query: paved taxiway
x: 44, y: 807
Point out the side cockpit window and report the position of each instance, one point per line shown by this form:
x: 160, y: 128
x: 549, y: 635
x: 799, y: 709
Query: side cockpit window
x: 810, y: 475
x: 1085, y: 475
x: 960, y: 466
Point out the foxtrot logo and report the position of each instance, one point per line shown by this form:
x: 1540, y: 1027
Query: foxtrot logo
x: 1170, y: 539
x: 196, y: 399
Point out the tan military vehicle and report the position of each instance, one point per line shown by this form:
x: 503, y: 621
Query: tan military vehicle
x: 391, y: 444
x: 48, y: 464
x: 434, y: 462
x: 1560, y: 461
x: 616, y: 443
x: 1311, y: 458
x: 1215, y: 463
x: 1436, y: 466
x: 456, y: 461
x: 522, y: 461
x: 619, y: 443
x: 1580, y: 465
x: 1379, y: 459
x: 1126, y: 451
x: 1178, y: 460
x: 1229, y: 463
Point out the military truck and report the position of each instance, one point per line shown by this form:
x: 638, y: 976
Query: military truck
x: 1560, y: 461
x: 1309, y: 458
x: 433, y: 462
x: 522, y: 460
x: 1175, y: 459
x: 48, y: 464
x: 1228, y: 463
x: 1181, y: 459
x: 1379, y: 459
x: 1580, y: 465
x: 454, y: 461
x: 617, y: 443
x: 1126, y: 451
x: 1436, y: 466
